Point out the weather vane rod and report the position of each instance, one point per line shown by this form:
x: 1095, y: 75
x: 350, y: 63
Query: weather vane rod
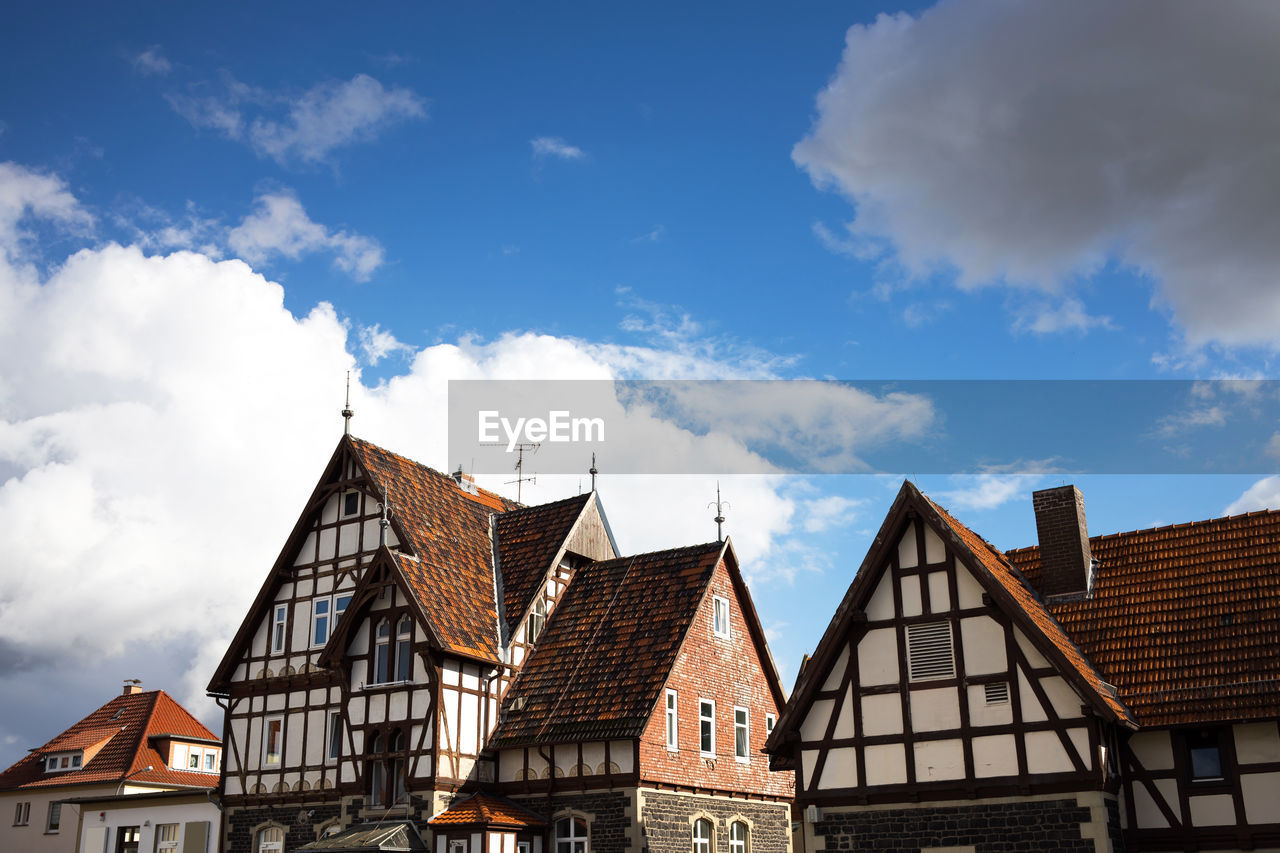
x: 720, y: 506
x: 347, y: 413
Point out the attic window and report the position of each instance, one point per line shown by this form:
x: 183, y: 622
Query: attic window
x: 998, y: 693
x: 350, y: 504
x: 930, y: 653
x: 538, y: 618
x: 720, y: 626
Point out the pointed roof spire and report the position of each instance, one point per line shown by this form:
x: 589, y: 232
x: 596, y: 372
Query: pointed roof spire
x: 720, y: 506
x: 347, y: 413
x: 593, y: 471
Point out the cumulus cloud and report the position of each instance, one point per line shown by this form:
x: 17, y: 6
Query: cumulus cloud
x: 304, y: 128
x: 279, y: 225
x: 1029, y: 144
x: 151, y: 61
x: 554, y: 146
x: 1264, y: 494
x: 377, y: 343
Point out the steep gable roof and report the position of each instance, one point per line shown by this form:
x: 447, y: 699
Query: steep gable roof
x: 1184, y: 620
x: 127, y: 723
x: 996, y: 575
x: 529, y: 539
x: 608, y: 648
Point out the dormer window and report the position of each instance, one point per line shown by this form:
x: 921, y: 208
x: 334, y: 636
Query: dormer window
x: 63, y: 761
x: 537, y: 619
x: 350, y: 504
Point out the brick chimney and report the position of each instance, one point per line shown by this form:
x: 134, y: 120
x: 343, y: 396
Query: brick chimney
x: 132, y: 686
x: 1065, y: 560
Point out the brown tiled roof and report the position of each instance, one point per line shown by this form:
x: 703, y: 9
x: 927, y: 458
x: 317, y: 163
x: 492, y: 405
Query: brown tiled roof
x: 528, y: 540
x: 1184, y: 620
x: 486, y: 810
x: 608, y: 648
x: 1004, y: 573
x: 447, y: 529
x: 127, y: 753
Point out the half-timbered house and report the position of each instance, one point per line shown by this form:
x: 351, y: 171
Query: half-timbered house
x: 404, y: 629
x: 1105, y: 694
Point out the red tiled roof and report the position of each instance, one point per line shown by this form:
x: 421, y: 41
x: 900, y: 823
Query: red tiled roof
x: 528, y: 540
x: 1184, y: 620
x: 1009, y: 579
x: 446, y: 528
x: 126, y: 754
x: 608, y: 648
x: 483, y: 809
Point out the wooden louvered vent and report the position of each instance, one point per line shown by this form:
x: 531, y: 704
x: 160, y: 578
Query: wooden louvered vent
x: 930, y: 653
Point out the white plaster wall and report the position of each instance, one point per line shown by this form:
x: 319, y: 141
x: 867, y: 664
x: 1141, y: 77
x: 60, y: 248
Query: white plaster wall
x: 1152, y: 749
x: 878, y: 658
x: 840, y: 769
x: 836, y: 675
x: 1065, y: 700
x: 968, y: 590
x: 1146, y: 811
x: 880, y: 605
x: 1212, y: 810
x: 1029, y: 651
x: 398, y: 705
x: 939, y: 759
x: 144, y: 815
x: 620, y: 754
x: 815, y: 722
x: 1261, y: 797
x: 885, y: 763
x: 911, y: 605
x: 808, y: 759
x: 1031, y: 710
x: 995, y: 755
x: 882, y: 714
x: 844, y: 725
x: 1045, y: 753
x: 469, y: 726
x: 982, y: 714
x: 1257, y: 743
x: 935, y: 710
x: 934, y: 550
x: 983, y: 640
x: 907, y: 552
x: 939, y: 592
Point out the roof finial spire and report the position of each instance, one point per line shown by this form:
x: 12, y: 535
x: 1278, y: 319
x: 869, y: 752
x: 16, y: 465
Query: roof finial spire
x: 720, y: 506
x: 347, y: 413
x: 593, y: 471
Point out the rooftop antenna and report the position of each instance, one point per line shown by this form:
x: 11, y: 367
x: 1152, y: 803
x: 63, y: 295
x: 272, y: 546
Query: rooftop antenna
x: 720, y: 506
x: 347, y: 413
x: 593, y: 471
x: 521, y: 479
x: 384, y: 522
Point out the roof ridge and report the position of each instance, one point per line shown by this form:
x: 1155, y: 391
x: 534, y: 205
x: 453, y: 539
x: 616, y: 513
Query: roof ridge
x: 557, y: 502
x: 661, y: 552
x: 441, y: 474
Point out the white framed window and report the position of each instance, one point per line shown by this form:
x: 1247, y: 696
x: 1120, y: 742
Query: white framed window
x: 739, y: 837
x: 404, y: 642
x: 166, y: 836
x: 272, y: 741
x: 720, y: 622
x: 457, y: 845
x: 325, y: 613
x: 382, y: 653
x: 271, y: 840
x: 707, y: 726
x: 193, y: 759
x: 54, y: 819
x: 571, y: 835
x: 930, y: 653
x: 278, y: 624
x: 770, y: 721
x: 537, y: 618
x: 211, y: 761
x: 673, y: 739
x: 333, y: 750
x: 702, y: 830
x: 22, y: 814
x: 350, y: 504
x: 741, y: 728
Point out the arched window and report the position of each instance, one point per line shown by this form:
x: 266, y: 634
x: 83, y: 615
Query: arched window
x: 270, y: 840
x: 702, y: 836
x: 739, y: 837
x: 538, y: 618
x: 377, y: 771
x: 382, y: 653
x: 397, y: 768
x: 404, y: 660
x: 387, y: 769
x: 571, y: 835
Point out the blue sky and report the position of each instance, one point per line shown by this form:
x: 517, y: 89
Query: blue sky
x: 208, y: 214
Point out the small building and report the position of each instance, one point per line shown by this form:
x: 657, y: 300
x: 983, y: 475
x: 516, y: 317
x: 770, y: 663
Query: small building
x: 140, y: 744
x: 1111, y: 693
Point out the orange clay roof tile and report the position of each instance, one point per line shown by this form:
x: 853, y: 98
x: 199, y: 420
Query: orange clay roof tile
x: 528, y: 540
x: 486, y: 810
x: 1184, y: 620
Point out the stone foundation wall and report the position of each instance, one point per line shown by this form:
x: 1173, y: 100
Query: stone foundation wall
x: 667, y: 822
x: 608, y: 816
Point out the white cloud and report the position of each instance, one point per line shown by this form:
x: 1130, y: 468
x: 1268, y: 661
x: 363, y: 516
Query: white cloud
x: 1065, y: 315
x: 1194, y: 418
x: 985, y: 491
x: 151, y: 61
x: 653, y: 235
x: 1264, y: 494
x: 377, y: 343
x: 25, y: 193
x: 1273, y: 446
x: 304, y: 128
x: 280, y: 226
x: 1030, y: 143
x: 830, y: 511
x: 554, y: 146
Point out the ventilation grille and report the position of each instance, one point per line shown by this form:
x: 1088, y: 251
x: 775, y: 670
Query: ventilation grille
x: 997, y: 694
x: 929, y: 651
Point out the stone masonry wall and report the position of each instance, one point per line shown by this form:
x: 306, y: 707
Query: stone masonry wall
x: 608, y: 816
x: 667, y: 822
x: 1047, y: 826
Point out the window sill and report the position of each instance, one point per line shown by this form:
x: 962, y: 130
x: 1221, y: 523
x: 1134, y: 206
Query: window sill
x: 384, y: 685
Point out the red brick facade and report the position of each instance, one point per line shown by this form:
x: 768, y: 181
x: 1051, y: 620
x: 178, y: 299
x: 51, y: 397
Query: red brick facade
x: 729, y: 672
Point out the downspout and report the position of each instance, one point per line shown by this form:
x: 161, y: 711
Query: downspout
x: 218, y: 699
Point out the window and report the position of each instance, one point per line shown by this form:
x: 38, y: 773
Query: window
x: 334, y: 751
x: 325, y: 613
x: 702, y: 836
x: 211, y: 761
x: 272, y: 740
x: 166, y: 836
x: 673, y: 742
x: 707, y: 726
x: 1204, y: 749
x: 382, y: 653
x: 404, y: 660
x: 271, y: 840
x: 538, y: 618
x: 457, y: 845
x: 193, y: 760
x: 277, y: 630
x: 571, y: 835
x: 128, y: 838
x: 398, y: 792
x: 22, y: 814
x: 524, y: 847
x: 350, y: 504
x: 739, y: 837
x: 75, y: 761
x: 721, y: 624
x: 769, y: 722
x: 996, y: 694
x: 930, y: 654
x: 377, y: 772
x: 55, y: 817
x: 387, y: 770
x: 740, y: 729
